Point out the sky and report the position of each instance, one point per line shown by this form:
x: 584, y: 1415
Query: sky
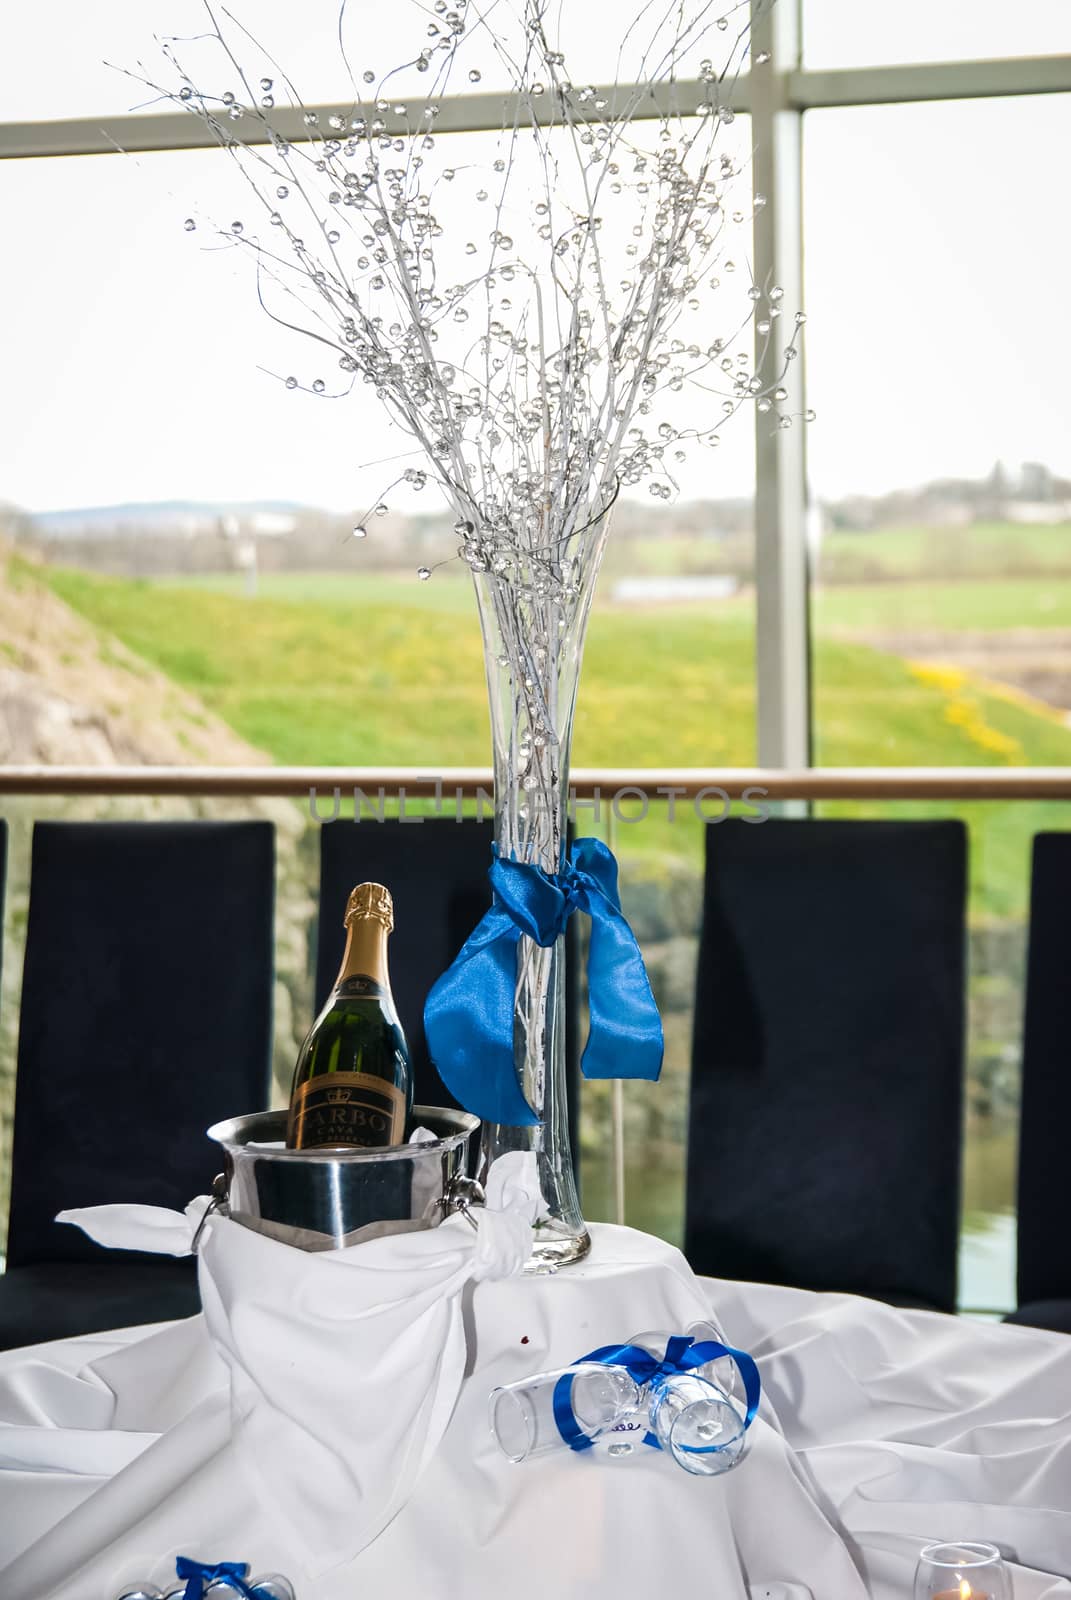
x: 138, y: 365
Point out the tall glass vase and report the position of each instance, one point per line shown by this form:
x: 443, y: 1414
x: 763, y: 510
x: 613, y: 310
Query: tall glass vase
x: 534, y: 623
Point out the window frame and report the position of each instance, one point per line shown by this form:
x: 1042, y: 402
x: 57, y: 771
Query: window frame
x: 776, y: 99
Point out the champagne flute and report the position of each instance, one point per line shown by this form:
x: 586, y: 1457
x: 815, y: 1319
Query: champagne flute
x: 525, y: 1416
x: 723, y: 1370
x: 693, y: 1417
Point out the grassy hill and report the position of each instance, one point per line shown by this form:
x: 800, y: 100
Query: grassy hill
x: 350, y: 669
x: 366, y: 670
x: 968, y: 604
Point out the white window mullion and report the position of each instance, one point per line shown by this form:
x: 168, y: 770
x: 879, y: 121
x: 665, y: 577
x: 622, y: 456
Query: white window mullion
x: 781, y: 645
x: 929, y: 80
x: 472, y: 113
x: 457, y: 113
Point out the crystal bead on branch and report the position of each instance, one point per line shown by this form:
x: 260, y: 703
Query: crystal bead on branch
x: 552, y: 314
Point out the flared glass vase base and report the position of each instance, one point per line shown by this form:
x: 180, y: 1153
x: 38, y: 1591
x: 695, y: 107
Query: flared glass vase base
x: 555, y: 1246
x: 560, y: 1237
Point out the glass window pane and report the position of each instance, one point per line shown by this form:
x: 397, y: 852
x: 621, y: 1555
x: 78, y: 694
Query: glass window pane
x: 109, y: 46
x: 938, y: 346
x: 135, y: 336
x: 844, y: 33
x: 194, y: 519
x: 103, y: 44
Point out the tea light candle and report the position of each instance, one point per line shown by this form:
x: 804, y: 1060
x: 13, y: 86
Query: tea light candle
x: 942, y: 1573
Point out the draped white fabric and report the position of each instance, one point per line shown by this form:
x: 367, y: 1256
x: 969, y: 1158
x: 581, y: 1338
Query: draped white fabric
x: 327, y: 1418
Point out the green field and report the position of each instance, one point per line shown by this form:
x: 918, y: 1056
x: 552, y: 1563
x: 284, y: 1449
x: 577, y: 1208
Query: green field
x: 446, y: 591
x: 969, y: 604
x: 362, y: 670
x: 369, y: 670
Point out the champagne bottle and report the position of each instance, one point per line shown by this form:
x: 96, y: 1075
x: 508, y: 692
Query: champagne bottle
x: 352, y: 1083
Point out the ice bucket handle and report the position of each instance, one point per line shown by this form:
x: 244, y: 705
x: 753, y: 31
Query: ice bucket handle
x: 462, y: 1194
x: 217, y: 1202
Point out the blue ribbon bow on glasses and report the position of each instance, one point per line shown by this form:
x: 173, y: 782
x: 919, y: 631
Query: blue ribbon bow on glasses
x: 683, y: 1354
x: 199, y: 1575
x: 468, y: 1018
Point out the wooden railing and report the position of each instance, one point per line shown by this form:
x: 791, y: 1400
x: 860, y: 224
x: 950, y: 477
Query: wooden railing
x: 814, y: 783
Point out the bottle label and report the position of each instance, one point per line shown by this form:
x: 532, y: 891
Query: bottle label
x: 346, y: 1108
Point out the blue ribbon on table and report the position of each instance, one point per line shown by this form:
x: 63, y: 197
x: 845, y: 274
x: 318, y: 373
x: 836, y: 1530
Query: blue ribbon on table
x: 683, y: 1354
x: 199, y: 1575
x: 468, y: 1017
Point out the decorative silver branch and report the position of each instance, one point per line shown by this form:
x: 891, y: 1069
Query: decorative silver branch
x: 540, y: 362
x: 539, y: 383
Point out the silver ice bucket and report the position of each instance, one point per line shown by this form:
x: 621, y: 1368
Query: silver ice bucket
x: 324, y: 1201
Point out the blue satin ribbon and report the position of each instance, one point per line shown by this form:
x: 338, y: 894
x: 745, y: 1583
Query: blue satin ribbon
x: 683, y: 1354
x: 468, y: 1017
x: 198, y: 1576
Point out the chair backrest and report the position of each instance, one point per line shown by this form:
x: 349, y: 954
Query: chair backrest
x: 436, y: 870
x: 146, y: 1016
x: 824, y: 1130
x: 1044, y: 1262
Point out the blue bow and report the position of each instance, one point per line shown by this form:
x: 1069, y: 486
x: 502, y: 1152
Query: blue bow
x: 468, y: 1017
x: 683, y: 1354
x: 198, y: 1576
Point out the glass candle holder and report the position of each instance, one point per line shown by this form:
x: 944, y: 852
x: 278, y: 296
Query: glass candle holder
x: 962, y: 1570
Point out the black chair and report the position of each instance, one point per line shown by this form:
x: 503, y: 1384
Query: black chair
x: 146, y: 1016
x: 436, y: 871
x: 824, y: 1130
x: 1044, y: 1208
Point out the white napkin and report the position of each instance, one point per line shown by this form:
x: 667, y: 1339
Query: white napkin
x: 344, y: 1368
x: 513, y: 1204
x: 423, y: 1136
x: 151, y: 1228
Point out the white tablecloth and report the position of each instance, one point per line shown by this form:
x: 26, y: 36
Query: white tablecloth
x: 880, y: 1429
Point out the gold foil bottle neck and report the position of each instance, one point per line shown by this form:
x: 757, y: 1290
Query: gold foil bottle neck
x: 370, y: 900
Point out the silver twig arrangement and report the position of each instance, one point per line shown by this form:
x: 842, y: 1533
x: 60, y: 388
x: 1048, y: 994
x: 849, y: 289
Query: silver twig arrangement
x: 535, y: 308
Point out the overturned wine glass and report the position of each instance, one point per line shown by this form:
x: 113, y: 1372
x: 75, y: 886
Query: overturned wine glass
x: 694, y: 1415
x: 723, y: 1370
x: 273, y: 1586
x: 570, y: 1408
x: 699, y: 1414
